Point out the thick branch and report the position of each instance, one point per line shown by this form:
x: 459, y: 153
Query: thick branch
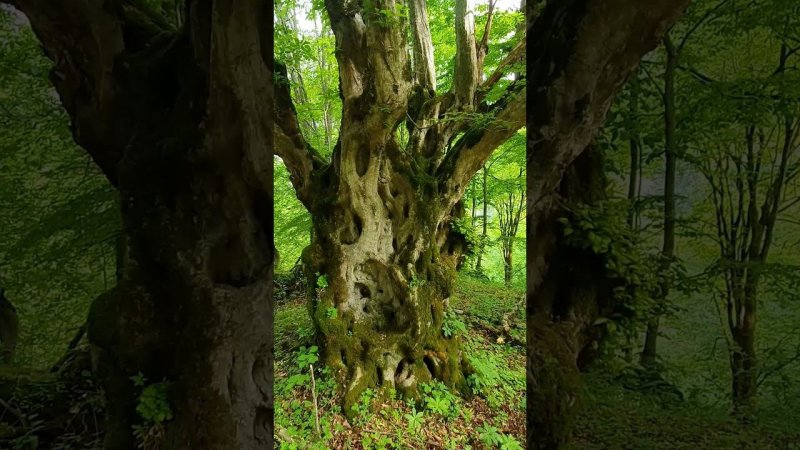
x: 466, y: 76
x: 424, y: 68
x: 300, y: 158
x: 82, y: 39
x: 516, y: 54
x: 240, y: 86
x: 580, y: 54
x: 374, y: 77
x: 476, y: 146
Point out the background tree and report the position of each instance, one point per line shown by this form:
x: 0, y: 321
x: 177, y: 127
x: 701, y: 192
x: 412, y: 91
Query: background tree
x: 558, y: 316
x: 749, y: 163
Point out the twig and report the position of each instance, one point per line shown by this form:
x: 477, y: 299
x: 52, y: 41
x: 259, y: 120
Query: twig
x: 314, y: 393
x: 15, y: 412
x: 70, y: 349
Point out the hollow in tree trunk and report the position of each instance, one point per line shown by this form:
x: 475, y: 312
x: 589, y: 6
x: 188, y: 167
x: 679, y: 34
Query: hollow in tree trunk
x: 385, y: 242
x: 389, y: 268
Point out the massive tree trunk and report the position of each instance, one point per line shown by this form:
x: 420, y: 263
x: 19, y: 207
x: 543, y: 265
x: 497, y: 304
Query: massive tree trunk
x: 388, y: 259
x: 384, y: 255
x: 573, y: 75
x: 572, y: 294
x: 179, y: 121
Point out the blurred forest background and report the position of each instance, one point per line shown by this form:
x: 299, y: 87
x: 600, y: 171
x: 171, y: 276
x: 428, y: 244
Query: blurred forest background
x: 702, y: 153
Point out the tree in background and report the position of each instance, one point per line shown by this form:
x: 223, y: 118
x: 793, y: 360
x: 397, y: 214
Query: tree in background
x: 750, y: 161
x: 561, y: 311
x: 509, y: 209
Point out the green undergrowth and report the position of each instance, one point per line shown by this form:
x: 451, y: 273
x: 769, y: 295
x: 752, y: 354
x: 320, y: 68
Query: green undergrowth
x: 494, y: 418
x: 619, y: 414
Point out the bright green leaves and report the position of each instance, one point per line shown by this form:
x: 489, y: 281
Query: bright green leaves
x: 452, y: 325
x: 322, y: 281
x: 439, y: 400
x: 307, y: 356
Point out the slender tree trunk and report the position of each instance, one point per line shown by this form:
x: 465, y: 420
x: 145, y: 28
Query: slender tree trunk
x: 650, y: 352
x: 744, y: 362
x: 474, y: 207
x: 633, y: 178
x: 482, y: 246
x: 508, y: 265
x: 634, y: 189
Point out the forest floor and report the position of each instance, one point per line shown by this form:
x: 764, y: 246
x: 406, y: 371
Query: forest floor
x: 493, y: 418
x: 645, y: 417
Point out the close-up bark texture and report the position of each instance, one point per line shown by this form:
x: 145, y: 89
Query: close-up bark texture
x: 178, y: 118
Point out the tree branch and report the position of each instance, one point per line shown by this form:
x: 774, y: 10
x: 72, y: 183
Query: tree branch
x: 82, y: 39
x: 466, y: 76
x: 424, y: 68
x: 300, y: 158
x: 581, y: 53
x: 516, y: 54
x: 483, y: 46
x: 475, y: 147
x: 708, y: 15
x: 374, y: 78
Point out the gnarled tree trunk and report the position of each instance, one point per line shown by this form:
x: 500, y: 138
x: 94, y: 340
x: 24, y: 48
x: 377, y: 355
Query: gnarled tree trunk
x: 389, y: 266
x: 384, y: 238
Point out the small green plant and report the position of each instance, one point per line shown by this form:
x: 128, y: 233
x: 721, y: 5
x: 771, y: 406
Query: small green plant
x: 439, y: 400
x: 508, y: 442
x: 452, y: 325
x: 414, y: 419
x: 322, y: 281
x: 293, y: 381
x: 362, y: 407
x: 331, y: 312
x: 153, y: 407
x: 489, y: 435
x: 307, y: 356
x: 415, y: 282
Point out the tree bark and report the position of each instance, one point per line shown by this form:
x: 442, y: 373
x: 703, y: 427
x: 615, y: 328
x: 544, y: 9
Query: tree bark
x: 179, y: 120
x: 382, y: 262
x: 635, y: 157
x: 743, y: 359
x: 572, y: 294
x: 388, y: 267
x: 9, y: 329
x: 484, y: 221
